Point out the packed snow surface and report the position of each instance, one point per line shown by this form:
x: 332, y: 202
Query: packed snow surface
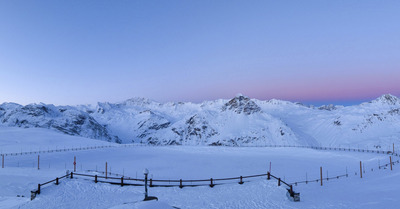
x: 377, y: 189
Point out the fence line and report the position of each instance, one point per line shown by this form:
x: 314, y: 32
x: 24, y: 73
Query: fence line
x: 123, y: 181
x: 273, y: 146
x: 70, y: 149
x: 181, y: 181
x: 333, y: 148
x: 211, y: 180
x: 79, y: 149
x: 56, y: 150
x: 340, y: 176
x: 342, y: 149
x: 140, y: 144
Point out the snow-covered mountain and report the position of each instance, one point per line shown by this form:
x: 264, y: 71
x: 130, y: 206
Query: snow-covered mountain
x: 65, y: 119
x: 240, y: 121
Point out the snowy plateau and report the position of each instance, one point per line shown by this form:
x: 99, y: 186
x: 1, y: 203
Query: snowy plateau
x: 214, y: 139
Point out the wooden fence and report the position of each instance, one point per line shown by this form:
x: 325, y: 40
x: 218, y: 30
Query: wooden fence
x: 128, y: 181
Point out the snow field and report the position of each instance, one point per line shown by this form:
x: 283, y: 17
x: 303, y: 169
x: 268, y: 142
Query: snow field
x: 177, y: 162
x: 17, y: 140
x: 377, y: 188
x: 290, y: 164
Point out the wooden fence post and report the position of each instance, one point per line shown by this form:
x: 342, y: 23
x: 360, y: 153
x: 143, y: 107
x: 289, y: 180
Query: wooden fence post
x: 268, y: 176
x: 72, y: 175
x: 279, y: 182
x: 74, y: 163
x: 38, y: 160
x: 57, y: 181
x: 106, y: 170
x: 2, y: 161
x: 391, y: 168
x: 151, y: 182
x: 360, y: 169
x: 211, y: 185
x: 180, y: 184
x: 241, y: 180
x: 38, y: 191
x: 306, y: 178
x: 320, y: 171
x: 95, y: 179
x: 270, y: 166
x: 122, y: 181
x: 393, y: 147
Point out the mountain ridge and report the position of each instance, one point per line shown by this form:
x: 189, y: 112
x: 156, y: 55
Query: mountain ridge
x: 240, y: 121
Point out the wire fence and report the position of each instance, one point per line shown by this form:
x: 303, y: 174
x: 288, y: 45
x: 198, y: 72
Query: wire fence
x: 3, y: 155
x: 362, y: 168
x: 378, y: 150
x: 57, y: 150
x: 73, y: 149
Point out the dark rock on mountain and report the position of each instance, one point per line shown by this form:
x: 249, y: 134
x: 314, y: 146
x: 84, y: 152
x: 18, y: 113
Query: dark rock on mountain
x: 195, y: 129
x: 241, y: 104
x: 329, y: 107
x: 67, y: 120
x: 150, y: 124
x: 387, y: 99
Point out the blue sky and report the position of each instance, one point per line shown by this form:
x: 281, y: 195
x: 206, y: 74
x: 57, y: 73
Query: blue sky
x: 78, y: 52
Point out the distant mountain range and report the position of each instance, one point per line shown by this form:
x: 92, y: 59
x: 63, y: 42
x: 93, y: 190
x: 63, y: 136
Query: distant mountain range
x: 240, y: 121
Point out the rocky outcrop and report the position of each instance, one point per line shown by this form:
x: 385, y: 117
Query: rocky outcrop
x: 195, y: 130
x: 150, y: 125
x: 241, y: 104
x: 329, y: 107
x: 387, y: 99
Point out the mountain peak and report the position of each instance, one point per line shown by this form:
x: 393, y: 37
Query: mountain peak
x: 387, y: 99
x: 241, y: 104
x: 240, y: 95
x: 138, y: 101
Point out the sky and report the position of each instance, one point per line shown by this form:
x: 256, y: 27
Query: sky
x: 312, y: 51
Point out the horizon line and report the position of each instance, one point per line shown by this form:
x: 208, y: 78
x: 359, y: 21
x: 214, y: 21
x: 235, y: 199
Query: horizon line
x: 315, y: 103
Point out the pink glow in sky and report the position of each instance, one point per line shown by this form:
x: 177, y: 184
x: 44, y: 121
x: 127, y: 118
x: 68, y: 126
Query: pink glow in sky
x: 347, y: 88
x: 78, y: 52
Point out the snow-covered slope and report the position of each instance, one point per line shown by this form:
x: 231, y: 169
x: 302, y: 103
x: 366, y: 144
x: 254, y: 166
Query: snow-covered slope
x: 240, y: 121
x: 15, y: 140
x: 373, y: 123
x: 68, y: 120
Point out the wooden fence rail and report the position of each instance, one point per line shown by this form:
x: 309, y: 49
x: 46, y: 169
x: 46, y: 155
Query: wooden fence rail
x: 126, y: 181
x: 180, y: 181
